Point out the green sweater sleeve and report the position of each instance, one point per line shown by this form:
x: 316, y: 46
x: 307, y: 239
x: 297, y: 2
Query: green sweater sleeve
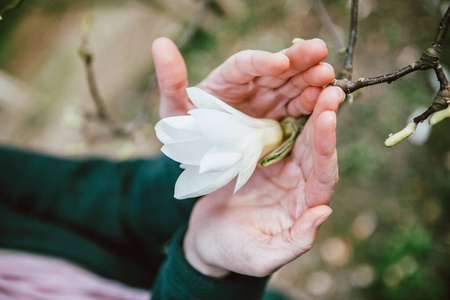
x: 177, y: 279
x: 123, y: 209
x: 105, y: 197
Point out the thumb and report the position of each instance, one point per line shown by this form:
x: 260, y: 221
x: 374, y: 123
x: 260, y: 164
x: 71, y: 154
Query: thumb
x: 304, y: 231
x: 172, y: 78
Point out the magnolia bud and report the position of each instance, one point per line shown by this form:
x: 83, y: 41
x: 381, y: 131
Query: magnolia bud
x: 439, y: 116
x: 297, y: 40
x: 394, y: 139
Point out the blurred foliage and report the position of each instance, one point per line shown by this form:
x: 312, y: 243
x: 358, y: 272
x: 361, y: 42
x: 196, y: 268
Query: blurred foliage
x: 389, y: 235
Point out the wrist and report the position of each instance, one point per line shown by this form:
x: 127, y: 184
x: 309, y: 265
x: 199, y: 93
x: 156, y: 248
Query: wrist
x: 196, y: 261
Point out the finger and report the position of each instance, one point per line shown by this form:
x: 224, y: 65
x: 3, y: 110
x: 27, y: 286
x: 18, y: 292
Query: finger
x: 305, y: 228
x: 323, y: 175
x: 325, y: 135
x: 172, y: 78
x: 329, y: 99
x: 301, y: 236
x: 244, y: 66
x: 271, y: 81
x: 304, y: 104
x: 318, y: 75
x: 304, y: 55
x: 315, y: 150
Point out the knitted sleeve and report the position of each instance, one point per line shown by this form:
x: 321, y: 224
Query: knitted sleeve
x: 124, y: 210
x: 177, y: 279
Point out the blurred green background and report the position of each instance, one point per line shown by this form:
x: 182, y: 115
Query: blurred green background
x: 388, y: 237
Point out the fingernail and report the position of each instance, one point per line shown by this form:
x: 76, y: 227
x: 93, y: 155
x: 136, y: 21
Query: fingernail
x: 325, y: 63
x: 341, y: 94
x: 321, y: 220
x: 281, y: 56
x: 320, y: 40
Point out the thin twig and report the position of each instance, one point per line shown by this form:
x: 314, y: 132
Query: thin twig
x: 437, y: 45
x: 87, y: 57
x: 141, y: 117
x: 441, y: 76
x: 429, y: 60
x: 350, y: 86
x: 98, y: 101
x: 347, y: 71
x: 325, y: 18
x: 442, y: 31
x: 194, y: 25
x: 182, y: 44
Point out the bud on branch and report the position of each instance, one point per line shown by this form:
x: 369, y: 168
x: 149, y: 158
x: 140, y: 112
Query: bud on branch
x: 430, y: 59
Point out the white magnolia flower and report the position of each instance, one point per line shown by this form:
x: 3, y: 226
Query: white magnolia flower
x: 214, y: 144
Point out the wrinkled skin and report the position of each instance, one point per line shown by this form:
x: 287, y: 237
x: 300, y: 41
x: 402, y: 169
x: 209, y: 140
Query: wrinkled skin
x: 274, y: 218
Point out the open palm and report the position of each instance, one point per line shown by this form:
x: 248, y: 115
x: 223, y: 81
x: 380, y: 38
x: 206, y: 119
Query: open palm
x: 274, y: 218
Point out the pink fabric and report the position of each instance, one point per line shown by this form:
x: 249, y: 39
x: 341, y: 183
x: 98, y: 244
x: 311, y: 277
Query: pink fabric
x: 33, y: 277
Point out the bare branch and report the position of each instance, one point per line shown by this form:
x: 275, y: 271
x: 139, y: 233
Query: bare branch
x: 429, y: 60
x: 324, y: 17
x: 194, y: 25
x: 141, y: 117
x: 442, y: 31
x: 350, y: 86
x: 182, y: 44
x: 441, y: 76
x: 347, y: 71
x: 86, y: 56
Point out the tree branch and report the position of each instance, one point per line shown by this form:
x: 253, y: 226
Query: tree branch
x: 432, y: 54
x: 428, y: 60
x: 87, y: 57
x: 347, y: 71
x: 182, y: 44
x: 442, y: 31
x: 350, y: 86
x: 141, y: 117
x: 324, y: 17
x: 194, y: 24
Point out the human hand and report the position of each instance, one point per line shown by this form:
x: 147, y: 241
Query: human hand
x: 274, y: 218
x: 258, y: 83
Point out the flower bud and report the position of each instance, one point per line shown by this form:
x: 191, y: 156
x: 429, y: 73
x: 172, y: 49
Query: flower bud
x: 394, y: 139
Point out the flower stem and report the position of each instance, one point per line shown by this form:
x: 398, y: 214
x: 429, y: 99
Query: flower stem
x: 292, y: 127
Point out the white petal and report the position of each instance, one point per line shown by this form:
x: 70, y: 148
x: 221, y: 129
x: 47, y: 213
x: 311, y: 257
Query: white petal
x: 218, y: 161
x: 225, y: 131
x: 181, y: 122
x: 188, y: 152
x: 202, y: 99
x: 245, y: 175
x: 248, y: 165
x: 176, y: 128
x: 192, y: 184
x: 161, y: 133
